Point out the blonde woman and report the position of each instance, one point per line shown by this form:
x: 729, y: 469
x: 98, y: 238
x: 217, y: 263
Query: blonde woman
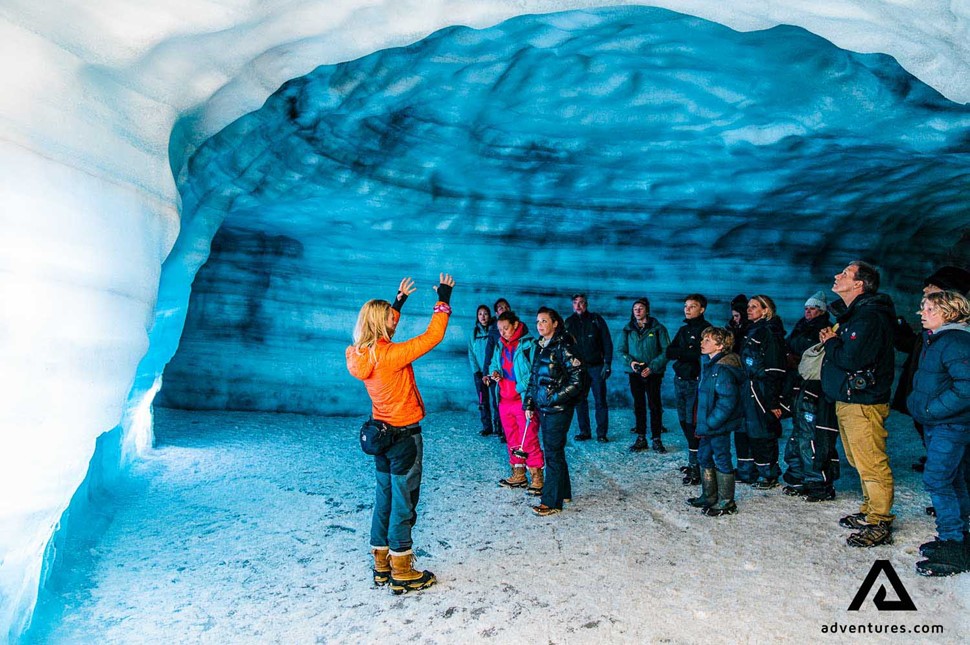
x: 763, y: 360
x: 385, y: 368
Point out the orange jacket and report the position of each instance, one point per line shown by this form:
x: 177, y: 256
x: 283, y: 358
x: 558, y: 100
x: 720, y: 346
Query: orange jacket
x: 390, y: 381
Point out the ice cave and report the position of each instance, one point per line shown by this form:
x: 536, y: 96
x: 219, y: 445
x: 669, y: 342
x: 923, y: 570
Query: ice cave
x: 198, y: 197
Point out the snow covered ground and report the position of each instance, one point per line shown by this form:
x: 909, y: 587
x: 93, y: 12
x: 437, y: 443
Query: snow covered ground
x: 253, y: 528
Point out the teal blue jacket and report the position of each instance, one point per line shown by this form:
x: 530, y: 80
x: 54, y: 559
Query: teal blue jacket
x: 476, y: 348
x: 647, y: 345
x: 521, y: 362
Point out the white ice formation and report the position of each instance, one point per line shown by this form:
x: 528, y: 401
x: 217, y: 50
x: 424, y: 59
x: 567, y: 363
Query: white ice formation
x: 102, y: 101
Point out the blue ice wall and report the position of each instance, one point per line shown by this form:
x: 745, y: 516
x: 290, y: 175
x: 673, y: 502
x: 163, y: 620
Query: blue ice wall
x: 621, y: 152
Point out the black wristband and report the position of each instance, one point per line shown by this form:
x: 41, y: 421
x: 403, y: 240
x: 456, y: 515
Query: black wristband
x: 444, y: 293
x: 400, y: 300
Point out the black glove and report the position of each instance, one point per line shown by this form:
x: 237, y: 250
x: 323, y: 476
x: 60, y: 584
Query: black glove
x: 444, y: 293
x: 607, y: 371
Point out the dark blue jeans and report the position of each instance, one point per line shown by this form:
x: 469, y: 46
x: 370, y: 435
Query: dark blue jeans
x: 396, y: 498
x: 946, y: 460
x: 597, y: 385
x: 686, y: 392
x: 715, y: 452
x: 556, y: 485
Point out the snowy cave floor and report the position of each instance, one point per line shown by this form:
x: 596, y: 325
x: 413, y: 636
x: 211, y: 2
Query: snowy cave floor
x: 253, y: 528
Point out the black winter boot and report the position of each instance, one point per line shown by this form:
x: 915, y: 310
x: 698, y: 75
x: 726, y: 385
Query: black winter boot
x: 708, y: 496
x: 658, y: 446
x: 693, y: 476
x: 947, y: 559
x: 725, y: 497
x: 927, y: 548
x: 640, y: 444
x: 825, y: 494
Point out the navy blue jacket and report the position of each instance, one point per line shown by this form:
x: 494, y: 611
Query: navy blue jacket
x: 763, y: 361
x: 941, y: 386
x: 719, y: 395
x: 863, y: 341
x: 685, y: 348
x: 593, y: 340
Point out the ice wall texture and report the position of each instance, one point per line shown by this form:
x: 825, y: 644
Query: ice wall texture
x: 102, y: 99
x: 619, y: 152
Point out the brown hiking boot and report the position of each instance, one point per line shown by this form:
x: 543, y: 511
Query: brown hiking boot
x: 517, y: 480
x: 872, y: 535
x: 403, y: 576
x: 382, y: 565
x: 535, y: 488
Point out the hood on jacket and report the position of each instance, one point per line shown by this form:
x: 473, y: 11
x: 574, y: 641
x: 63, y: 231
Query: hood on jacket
x: 730, y: 360
x: 951, y: 326
x: 360, y: 365
x: 518, y: 334
x: 877, y: 302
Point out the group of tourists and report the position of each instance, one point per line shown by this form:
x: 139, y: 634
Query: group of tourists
x: 832, y: 375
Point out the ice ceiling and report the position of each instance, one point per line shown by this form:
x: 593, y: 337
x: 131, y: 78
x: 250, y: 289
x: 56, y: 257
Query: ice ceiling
x: 619, y: 152
x: 103, y: 100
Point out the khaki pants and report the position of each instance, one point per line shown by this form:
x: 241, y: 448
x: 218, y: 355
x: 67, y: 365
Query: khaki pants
x: 863, y: 432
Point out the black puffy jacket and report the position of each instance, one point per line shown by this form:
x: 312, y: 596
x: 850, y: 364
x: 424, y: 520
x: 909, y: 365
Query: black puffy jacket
x: 558, y: 377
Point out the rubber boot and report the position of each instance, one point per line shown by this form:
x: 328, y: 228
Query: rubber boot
x: 535, y: 488
x: 708, y: 496
x: 517, y: 480
x: 403, y: 576
x: 725, y: 497
x: 382, y: 565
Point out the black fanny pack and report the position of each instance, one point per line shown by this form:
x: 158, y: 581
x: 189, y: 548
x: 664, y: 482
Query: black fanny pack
x: 376, y: 437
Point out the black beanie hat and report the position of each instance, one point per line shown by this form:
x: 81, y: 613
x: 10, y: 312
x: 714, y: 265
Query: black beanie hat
x: 740, y: 303
x: 950, y: 278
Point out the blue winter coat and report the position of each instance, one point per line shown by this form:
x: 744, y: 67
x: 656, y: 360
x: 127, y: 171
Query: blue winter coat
x: 763, y: 360
x: 719, y: 395
x: 521, y: 361
x: 476, y: 347
x: 941, y: 385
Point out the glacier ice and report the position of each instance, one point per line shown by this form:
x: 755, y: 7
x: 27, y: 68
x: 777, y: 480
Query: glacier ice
x: 620, y: 152
x: 88, y: 140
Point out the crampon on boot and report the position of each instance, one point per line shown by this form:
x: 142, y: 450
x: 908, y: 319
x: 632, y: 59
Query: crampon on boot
x: 382, y: 565
x: 517, y: 480
x: 535, y: 488
x: 404, y: 578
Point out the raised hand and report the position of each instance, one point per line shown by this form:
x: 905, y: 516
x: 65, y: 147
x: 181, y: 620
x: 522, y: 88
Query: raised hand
x: 407, y: 287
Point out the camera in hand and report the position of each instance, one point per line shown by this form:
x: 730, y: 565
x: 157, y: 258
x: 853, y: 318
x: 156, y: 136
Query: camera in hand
x: 862, y: 380
x: 639, y: 367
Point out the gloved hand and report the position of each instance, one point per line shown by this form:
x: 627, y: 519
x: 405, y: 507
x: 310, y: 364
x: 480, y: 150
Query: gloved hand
x: 607, y: 371
x: 446, y: 283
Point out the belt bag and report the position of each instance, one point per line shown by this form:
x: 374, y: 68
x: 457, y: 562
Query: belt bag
x: 377, y: 437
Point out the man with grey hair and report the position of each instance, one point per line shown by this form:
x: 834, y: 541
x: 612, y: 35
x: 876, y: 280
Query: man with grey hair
x: 857, y: 373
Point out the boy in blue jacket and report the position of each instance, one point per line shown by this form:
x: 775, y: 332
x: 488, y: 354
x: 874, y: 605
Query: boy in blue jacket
x: 718, y: 415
